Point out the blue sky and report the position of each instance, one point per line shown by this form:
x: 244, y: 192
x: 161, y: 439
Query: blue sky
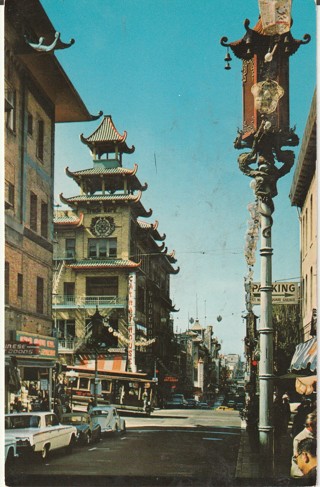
x: 157, y: 67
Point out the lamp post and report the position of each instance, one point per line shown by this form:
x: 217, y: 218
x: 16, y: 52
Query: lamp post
x: 94, y: 343
x: 265, y: 50
x: 72, y: 377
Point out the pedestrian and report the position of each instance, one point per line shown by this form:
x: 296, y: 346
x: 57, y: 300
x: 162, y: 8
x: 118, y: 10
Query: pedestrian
x: 307, y: 461
x: 67, y: 408
x: 92, y: 404
x: 300, y: 416
x: 309, y: 431
x: 58, y: 409
x: 286, y: 412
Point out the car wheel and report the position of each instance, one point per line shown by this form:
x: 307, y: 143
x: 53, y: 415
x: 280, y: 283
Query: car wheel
x: 124, y: 429
x: 45, y: 453
x: 10, y: 458
x: 70, y: 447
x: 98, y: 435
x: 116, y: 428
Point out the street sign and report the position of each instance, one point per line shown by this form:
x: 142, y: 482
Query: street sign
x: 282, y: 293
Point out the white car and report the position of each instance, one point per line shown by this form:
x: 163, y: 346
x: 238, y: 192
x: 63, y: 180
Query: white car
x: 39, y: 432
x: 10, y: 449
x: 108, y: 418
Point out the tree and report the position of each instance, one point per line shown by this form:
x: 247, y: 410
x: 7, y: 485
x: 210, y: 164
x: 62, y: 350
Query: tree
x: 286, y: 326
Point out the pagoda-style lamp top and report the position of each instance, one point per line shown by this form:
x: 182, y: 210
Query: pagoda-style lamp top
x: 265, y: 50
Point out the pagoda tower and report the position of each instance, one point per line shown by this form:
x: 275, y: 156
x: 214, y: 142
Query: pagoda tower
x: 108, y: 259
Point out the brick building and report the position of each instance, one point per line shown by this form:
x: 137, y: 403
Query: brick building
x: 108, y: 259
x: 38, y: 94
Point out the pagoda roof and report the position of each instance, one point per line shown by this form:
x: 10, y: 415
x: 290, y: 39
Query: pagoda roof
x: 255, y: 41
x: 153, y: 228
x: 68, y: 219
x: 74, y: 201
x: 102, y: 197
x: 103, y: 264
x: 197, y: 326
x: 106, y: 139
x: 114, y: 176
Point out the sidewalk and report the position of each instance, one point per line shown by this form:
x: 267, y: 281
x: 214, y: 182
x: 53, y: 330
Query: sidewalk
x: 248, y: 469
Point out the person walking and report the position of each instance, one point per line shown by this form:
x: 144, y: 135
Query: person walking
x: 309, y: 431
x: 307, y: 462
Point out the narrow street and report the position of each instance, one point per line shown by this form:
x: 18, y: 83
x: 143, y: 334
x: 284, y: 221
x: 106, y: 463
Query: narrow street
x: 171, y: 448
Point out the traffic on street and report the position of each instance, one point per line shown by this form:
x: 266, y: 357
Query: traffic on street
x: 172, y: 447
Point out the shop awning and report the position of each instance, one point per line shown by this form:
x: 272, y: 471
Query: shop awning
x: 306, y: 385
x: 305, y: 356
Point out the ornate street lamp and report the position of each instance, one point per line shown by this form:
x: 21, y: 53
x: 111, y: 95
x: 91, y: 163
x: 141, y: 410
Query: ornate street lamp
x: 265, y: 51
x: 95, y: 343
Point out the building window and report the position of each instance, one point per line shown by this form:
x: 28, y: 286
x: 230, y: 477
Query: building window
x: 33, y: 211
x: 40, y: 300
x: 67, y: 329
x: 141, y: 299
x: 20, y: 286
x: 311, y: 219
x: 7, y: 281
x: 10, y: 107
x: 30, y: 124
x: 9, y: 195
x: 102, y: 286
x: 101, y: 248
x: 44, y: 220
x: 311, y: 287
x: 68, y: 291
x: 70, y: 248
x: 40, y: 139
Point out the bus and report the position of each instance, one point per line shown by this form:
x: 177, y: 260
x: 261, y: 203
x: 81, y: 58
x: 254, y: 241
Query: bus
x: 127, y: 391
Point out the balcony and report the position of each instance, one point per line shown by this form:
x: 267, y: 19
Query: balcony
x: 68, y: 345
x: 72, y: 302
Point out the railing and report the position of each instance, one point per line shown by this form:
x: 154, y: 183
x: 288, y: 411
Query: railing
x: 73, y: 301
x: 67, y: 344
x: 67, y: 255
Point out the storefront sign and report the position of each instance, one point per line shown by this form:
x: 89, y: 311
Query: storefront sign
x: 46, y: 346
x: 18, y: 348
x: 168, y: 378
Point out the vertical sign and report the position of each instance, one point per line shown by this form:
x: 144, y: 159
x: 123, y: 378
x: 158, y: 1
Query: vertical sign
x: 131, y: 319
x: 149, y: 314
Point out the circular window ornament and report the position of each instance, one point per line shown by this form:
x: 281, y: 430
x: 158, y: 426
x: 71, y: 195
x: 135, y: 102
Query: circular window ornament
x: 102, y: 226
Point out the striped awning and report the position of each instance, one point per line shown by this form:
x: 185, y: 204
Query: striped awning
x: 305, y: 356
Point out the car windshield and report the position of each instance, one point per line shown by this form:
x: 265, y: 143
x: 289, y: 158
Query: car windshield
x: 75, y: 419
x: 99, y: 412
x: 22, y: 421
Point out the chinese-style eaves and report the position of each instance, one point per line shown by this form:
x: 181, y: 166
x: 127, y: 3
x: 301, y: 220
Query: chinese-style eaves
x: 35, y: 42
x: 106, y: 139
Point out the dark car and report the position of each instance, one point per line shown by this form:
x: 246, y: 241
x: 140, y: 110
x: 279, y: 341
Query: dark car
x: 87, y: 430
x: 191, y: 403
x: 177, y: 401
x: 203, y: 405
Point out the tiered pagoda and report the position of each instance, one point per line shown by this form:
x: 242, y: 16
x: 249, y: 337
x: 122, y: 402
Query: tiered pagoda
x: 108, y: 258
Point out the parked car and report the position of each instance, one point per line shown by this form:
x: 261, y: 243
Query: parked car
x: 108, y: 418
x: 177, y: 401
x: 10, y: 449
x: 203, y: 405
x: 231, y: 404
x: 39, y: 432
x: 87, y: 430
x: 191, y: 403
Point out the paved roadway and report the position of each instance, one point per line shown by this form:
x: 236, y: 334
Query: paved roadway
x: 171, y: 448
